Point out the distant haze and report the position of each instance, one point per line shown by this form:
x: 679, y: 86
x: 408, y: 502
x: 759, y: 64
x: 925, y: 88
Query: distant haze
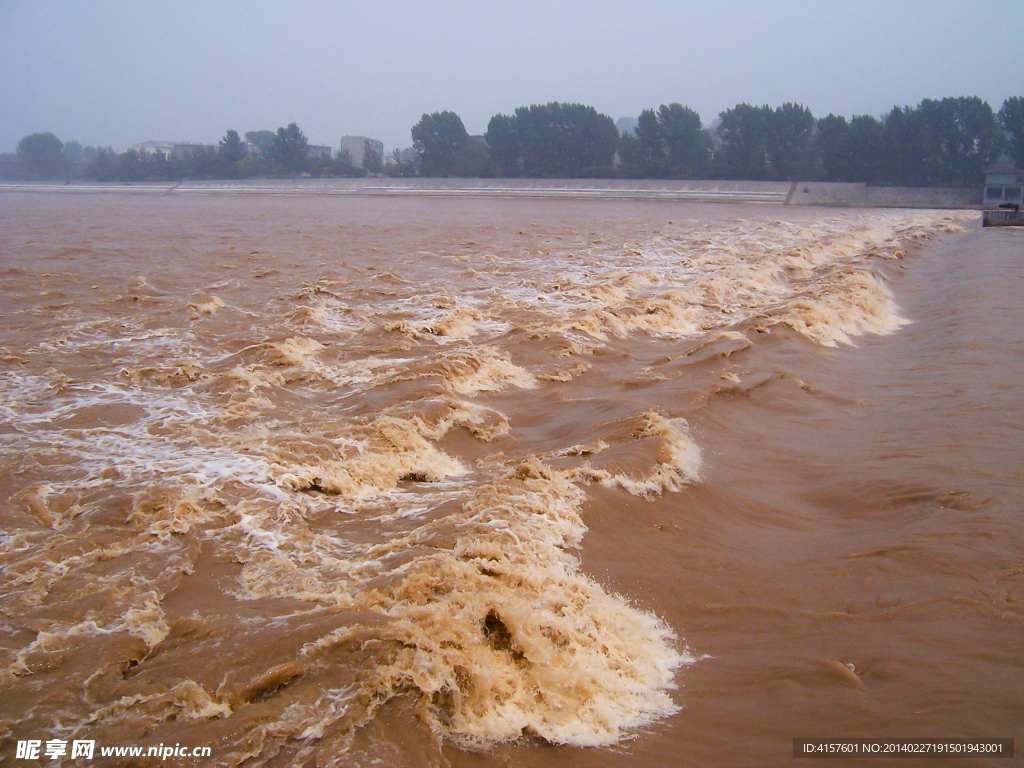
x: 122, y: 72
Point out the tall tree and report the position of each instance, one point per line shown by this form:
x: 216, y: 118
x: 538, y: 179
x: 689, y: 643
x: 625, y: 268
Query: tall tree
x: 230, y: 152
x: 556, y: 140
x: 474, y: 161
x: 744, y: 150
x: 438, y: 139
x: 865, y: 149
x: 831, y: 144
x: 651, y: 155
x: 289, y: 149
x: 373, y: 160
x: 504, y: 144
x: 43, y: 155
x: 73, y: 152
x: 132, y: 166
x: 199, y: 162
x: 904, y: 147
x: 961, y: 138
x: 686, y: 144
x: 787, y: 140
x: 103, y: 166
x: 1011, y: 116
x: 851, y: 151
x: 668, y: 144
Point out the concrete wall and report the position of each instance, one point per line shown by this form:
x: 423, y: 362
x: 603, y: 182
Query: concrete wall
x: 862, y: 195
x: 642, y: 189
x: 773, y: 192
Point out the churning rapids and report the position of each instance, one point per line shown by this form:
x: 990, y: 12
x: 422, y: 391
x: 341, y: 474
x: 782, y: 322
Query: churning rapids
x: 354, y: 481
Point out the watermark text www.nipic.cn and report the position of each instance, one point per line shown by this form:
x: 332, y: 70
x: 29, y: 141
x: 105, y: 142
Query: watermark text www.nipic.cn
x: 37, y: 749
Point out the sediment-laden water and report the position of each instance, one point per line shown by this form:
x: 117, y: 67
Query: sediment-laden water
x: 361, y: 481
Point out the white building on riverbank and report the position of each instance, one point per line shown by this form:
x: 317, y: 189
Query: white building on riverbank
x: 1004, y: 184
x: 358, y: 147
x: 172, y: 150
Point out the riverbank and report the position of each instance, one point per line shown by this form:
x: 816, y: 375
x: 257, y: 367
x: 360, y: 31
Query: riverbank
x: 769, y: 192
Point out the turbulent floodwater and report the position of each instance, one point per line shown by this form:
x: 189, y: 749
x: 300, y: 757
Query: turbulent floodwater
x: 413, y: 482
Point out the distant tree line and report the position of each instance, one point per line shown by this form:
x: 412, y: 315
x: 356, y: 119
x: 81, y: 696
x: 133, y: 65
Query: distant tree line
x: 947, y: 142
x: 283, y: 153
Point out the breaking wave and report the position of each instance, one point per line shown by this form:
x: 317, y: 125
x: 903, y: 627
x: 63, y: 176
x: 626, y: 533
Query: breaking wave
x: 354, y: 450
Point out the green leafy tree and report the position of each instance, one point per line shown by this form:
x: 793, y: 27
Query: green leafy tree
x: 103, y: 166
x: 74, y: 159
x: 373, y: 160
x: 554, y: 140
x: 865, y: 149
x: 1011, y: 117
x: 230, y: 152
x: 288, y: 151
x: 504, y: 145
x: 961, y: 137
x: 744, y: 151
x: 851, y: 151
x: 343, y: 165
x: 474, y: 161
x: 319, y: 166
x: 155, y: 167
x: 131, y: 166
x: 904, y: 147
x: 199, y: 162
x: 788, y: 140
x: 670, y: 144
x: 439, y: 138
x: 43, y: 155
x: 252, y: 167
x: 396, y: 167
x: 73, y: 152
x: 566, y: 140
x: 946, y: 142
x: 831, y: 144
x: 651, y: 156
x: 685, y: 141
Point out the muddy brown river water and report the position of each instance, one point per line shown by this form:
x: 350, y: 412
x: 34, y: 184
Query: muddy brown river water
x: 362, y: 481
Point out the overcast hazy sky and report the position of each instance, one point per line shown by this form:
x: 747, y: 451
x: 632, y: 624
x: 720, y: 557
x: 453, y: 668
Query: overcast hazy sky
x: 122, y: 72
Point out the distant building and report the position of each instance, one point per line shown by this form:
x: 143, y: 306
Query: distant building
x: 154, y: 147
x: 627, y: 124
x: 172, y: 150
x: 1003, y: 184
x: 358, y: 147
x: 408, y: 155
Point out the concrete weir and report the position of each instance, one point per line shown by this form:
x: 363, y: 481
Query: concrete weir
x: 771, y: 192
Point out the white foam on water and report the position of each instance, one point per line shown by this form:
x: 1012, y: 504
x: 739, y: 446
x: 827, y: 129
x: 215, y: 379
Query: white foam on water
x: 250, y: 441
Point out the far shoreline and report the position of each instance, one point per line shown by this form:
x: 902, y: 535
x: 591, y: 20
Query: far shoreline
x: 828, y: 194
